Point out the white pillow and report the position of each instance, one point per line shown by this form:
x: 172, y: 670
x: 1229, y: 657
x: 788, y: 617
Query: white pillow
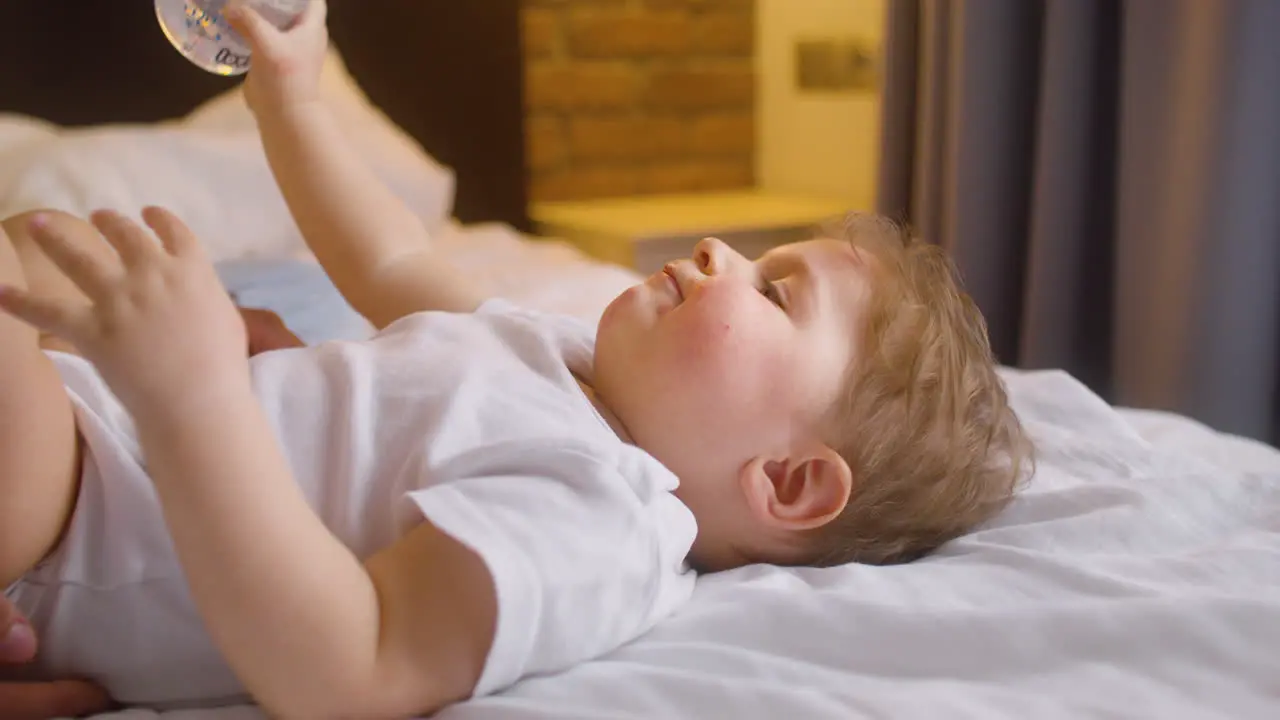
x: 20, y: 138
x: 208, y: 167
x: 17, y: 131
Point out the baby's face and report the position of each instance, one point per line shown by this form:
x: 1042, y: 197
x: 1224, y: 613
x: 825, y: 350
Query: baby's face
x: 718, y: 361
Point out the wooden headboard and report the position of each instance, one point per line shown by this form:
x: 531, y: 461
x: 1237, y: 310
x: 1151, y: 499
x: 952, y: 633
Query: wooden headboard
x: 449, y: 72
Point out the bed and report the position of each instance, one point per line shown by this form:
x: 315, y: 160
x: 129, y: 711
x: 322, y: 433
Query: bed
x: 1138, y: 575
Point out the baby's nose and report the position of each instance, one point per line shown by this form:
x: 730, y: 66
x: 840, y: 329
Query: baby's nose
x: 709, y: 255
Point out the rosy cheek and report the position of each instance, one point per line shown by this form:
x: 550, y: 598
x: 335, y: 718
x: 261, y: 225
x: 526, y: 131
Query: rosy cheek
x: 713, y: 319
x: 718, y: 338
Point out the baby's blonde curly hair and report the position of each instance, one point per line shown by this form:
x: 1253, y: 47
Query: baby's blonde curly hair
x: 924, y: 420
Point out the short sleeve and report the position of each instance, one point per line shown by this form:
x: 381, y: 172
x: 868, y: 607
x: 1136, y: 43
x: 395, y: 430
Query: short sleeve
x: 585, y: 556
x: 572, y: 331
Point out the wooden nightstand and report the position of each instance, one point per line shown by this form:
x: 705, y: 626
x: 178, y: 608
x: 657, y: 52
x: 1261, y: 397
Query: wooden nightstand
x: 646, y: 232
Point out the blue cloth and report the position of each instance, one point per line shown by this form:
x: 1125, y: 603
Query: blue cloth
x: 300, y: 293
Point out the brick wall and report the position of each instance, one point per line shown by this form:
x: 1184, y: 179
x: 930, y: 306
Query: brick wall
x: 639, y: 96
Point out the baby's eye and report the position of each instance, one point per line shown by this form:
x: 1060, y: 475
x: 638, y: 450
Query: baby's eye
x: 770, y: 291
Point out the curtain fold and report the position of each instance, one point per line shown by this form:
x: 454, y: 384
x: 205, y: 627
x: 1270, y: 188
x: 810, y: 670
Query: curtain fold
x: 1106, y: 174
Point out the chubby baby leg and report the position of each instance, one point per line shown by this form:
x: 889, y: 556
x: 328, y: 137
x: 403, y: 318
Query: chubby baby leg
x: 39, y: 448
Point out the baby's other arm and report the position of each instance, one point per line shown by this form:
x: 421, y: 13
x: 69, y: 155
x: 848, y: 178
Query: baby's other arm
x: 308, y: 627
x: 376, y: 251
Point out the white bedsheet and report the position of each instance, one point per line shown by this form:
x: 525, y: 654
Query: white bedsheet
x: 1138, y: 576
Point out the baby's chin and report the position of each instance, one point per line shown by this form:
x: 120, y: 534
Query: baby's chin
x: 635, y: 308
x: 612, y: 312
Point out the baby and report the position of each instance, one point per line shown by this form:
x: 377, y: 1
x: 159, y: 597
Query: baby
x: 479, y: 493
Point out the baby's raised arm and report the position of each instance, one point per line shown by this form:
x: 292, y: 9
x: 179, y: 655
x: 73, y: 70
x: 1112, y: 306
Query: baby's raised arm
x: 376, y: 251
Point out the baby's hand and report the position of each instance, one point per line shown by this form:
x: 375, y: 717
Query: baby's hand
x: 22, y: 701
x: 286, y: 63
x: 267, y: 331
x: 158, y: 324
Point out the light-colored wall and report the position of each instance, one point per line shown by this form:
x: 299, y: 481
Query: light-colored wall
x: 815, y: 144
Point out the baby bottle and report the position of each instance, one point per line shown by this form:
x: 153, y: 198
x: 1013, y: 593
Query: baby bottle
x: 199, y: 31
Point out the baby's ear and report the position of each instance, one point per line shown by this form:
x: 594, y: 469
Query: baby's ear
x: 803, y: 492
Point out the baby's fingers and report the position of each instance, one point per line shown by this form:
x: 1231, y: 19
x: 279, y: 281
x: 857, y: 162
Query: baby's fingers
x: 92, y: 272
x: 130, y: 241
x: 262, y: 35
x: 174, y: 234
x: 64, y: 698
x: 316, y: 14
x: 63, y: 318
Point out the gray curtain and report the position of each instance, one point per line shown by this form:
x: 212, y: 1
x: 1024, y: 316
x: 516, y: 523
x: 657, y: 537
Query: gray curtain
x: 1107, y: 176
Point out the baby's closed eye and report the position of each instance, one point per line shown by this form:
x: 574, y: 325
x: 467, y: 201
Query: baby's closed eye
x: 772, y: 293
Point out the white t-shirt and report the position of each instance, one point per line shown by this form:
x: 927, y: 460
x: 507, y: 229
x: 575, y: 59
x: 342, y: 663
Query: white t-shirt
x: 476, y: 422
